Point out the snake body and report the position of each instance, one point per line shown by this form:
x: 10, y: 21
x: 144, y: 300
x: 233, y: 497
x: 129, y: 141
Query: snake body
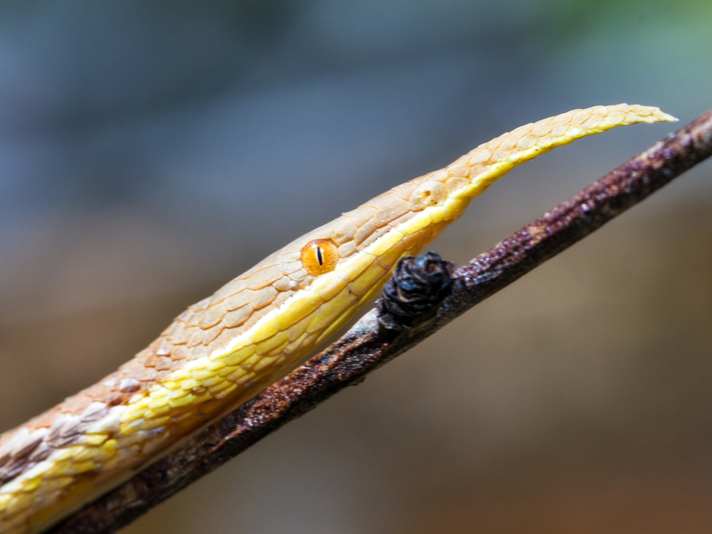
x: 227, y: 348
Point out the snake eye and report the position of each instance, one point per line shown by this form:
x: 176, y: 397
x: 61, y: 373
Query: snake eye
x: 320, y: 256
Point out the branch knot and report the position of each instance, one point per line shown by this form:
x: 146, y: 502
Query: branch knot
x: 417, y: 285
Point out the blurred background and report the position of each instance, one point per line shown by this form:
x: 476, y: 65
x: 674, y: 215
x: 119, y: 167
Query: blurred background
x: 151, y: 151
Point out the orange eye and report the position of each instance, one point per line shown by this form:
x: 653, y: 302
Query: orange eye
x: 320, y: 256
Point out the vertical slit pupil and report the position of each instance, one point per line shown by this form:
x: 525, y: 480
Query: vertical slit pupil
x: 319, y: 256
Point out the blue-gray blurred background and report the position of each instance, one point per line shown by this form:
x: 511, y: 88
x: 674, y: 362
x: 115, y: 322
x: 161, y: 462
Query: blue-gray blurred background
x: 151, y: 151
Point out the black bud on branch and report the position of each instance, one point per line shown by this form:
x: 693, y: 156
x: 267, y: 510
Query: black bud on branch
x: 417, y: 285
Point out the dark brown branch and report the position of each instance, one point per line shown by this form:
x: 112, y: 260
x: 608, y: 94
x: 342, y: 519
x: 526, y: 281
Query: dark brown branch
x: 368, y: 346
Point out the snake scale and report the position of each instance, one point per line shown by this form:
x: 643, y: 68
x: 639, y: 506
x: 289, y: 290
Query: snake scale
x: 227, y: 348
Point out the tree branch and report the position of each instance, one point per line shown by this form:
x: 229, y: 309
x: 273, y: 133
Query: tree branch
x: 370, y: 343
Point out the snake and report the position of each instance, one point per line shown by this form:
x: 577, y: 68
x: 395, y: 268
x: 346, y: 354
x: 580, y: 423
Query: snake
x: 227, y: 348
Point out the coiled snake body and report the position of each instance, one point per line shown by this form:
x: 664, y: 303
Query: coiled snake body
x: 228, y: 347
